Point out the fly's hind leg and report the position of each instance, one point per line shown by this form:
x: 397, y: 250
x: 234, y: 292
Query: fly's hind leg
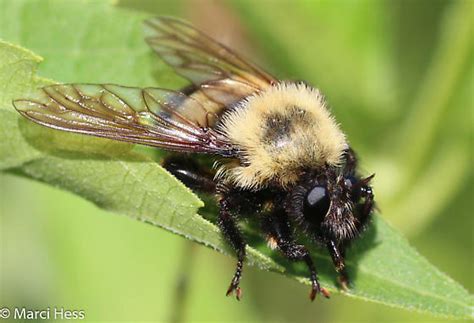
x: 279, y: 231
x: 227, y: 224
x: 196, y: 177
x: 188, y: 171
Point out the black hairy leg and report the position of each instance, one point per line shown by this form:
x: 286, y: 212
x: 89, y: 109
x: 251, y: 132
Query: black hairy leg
x: 227, y: 224
x: 368, y: 195
x: 188, y: 171
x: 279, y: 231
x: 365, y: 203
x: 362, y: 211
x: 337, y: 253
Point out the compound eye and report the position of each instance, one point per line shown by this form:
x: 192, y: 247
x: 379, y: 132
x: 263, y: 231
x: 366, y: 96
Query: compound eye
x: 317, y: 200
x: 350, y: 181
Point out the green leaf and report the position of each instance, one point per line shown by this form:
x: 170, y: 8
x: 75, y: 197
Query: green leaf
x: 14, y: 149
x: 117, y: 177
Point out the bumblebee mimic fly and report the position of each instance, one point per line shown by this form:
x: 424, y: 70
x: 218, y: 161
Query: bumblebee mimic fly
x: 281, y: 155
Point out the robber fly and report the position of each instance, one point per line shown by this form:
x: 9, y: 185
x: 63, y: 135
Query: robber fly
x: 282, y: 156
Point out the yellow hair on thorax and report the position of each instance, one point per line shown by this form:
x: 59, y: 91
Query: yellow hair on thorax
x: 281, y: 131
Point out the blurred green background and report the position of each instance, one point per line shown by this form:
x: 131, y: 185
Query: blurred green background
x: 398, y: 75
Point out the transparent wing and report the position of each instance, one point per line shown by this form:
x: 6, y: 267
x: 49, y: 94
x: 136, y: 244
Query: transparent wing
x: 151, y: 116
x: 220, y: 77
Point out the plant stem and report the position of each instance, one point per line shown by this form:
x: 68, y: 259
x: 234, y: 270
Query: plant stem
x: 178, y: 306
x: 417, y: 134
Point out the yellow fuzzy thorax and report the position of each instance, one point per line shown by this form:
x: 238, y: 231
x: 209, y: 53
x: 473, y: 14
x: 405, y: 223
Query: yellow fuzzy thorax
x: 280, y: 132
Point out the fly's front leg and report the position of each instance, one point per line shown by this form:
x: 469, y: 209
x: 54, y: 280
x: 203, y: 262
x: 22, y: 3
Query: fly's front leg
x: 337, y: 254
x: 279, y: 233
x: 227, y: 224
x: 337, y: 250
x: 368, y: 194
